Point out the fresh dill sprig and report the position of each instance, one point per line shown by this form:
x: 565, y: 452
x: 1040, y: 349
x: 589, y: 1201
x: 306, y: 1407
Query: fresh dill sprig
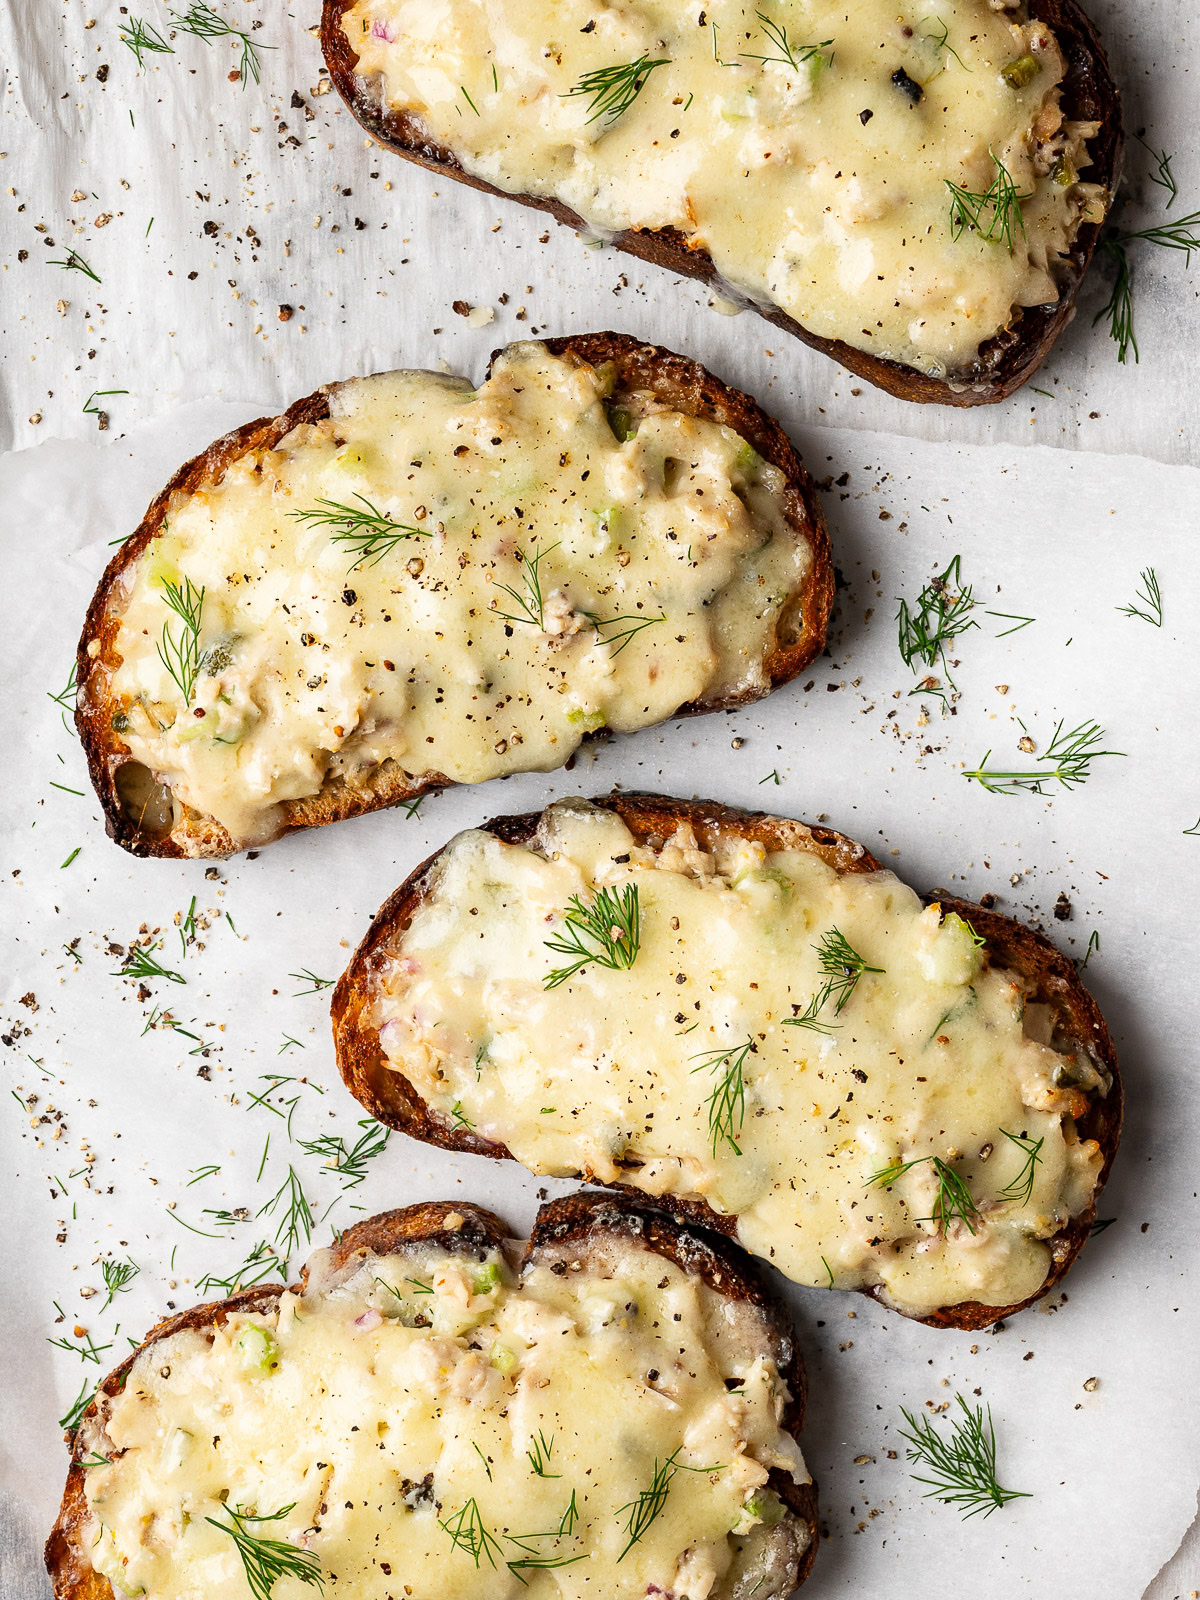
x: 1001, y: 199
x: 117, y: 1275
x: 181, y: 657
x: 650, y: 1501
x: 942, y: 612
x: 202, y: 22
x: 727, y: 1102
x: 65, y: 699
x: 140, y: 963
x: 941, y: 41
x: 368, y: 533
x: 1068, y: 760
x: 459, y: 1118
x: 349, y: 1164
x: 610, y: 91
x: 1021, y: 1188
x: 843, y: 967
x: 87, y: 1351
x: 74, y: 262
x: 268, y: 1560
x: 1150, y: 596
x: 80, y: 1404
x: 531, y: 606
x: 608, y: 932
x: 468, y: 1532
x: 260, y: 1263
x: 954, y: 1199
x: 92, y: 410
x: 636, y: 624
x: 296, y: 1220
x: 144, y: 39
x: 788, y: 54
x: 1163, y: 177
x: 962, y: 1467
x: 313, y: 984
x: 539, y: 1454
x: 1183, y: 233
x: 1093, y: 946
x: 1013, y: 617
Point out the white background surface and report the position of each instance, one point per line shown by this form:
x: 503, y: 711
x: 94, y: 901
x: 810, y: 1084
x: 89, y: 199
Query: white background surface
x: 1057, y: 533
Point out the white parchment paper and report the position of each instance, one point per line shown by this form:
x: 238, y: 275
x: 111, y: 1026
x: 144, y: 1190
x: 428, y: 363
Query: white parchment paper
x: 186, y: 318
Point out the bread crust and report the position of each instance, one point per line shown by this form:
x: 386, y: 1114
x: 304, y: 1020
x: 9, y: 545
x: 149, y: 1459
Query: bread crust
x: 391, y: 1099
x: 1004, y: 362
x: 671, y: 378
x: 574, y: 1223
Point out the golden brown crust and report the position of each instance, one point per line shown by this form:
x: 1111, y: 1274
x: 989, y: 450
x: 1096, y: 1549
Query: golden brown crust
x: 390, y: 1098
x: 1003, y: 364
x: 462, y: 1228
x: 671, y: 378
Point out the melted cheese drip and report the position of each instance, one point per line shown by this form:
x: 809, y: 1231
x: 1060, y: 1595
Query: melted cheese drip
x: 818, y: 186
x: 380, y: 1411
x: 315, y: 666
x: 610, y: 1073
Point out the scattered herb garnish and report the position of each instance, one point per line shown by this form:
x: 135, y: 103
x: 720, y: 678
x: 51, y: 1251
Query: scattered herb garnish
x: 349, y: 1164
x: 1021, y: 1188
x: 259, y: 1264
x: 468, y: 1532
x: 531, y: 606
x: 539, y: 1454
x: 1101, y: 1224
x: 71, y: 857
x: 82, y: 1401
x: 486, y: 1465
x: 843, y: 967
x: 635, y: 626
x: 1002, y: 200
x: 608, y: 932
x: 1010, y: 616
x: 289, y: 1044
x: 65, y: 699
x: 88, y: 1350
x: 789, y: 55
x: 771, y: 777
x: 828, y: 1269
x: 1093, y: 945
x: 140, y: 963
x: 954, y: 1199
x: 1150, y: 596
x: 963, y: 1467
x: 202, y: 22
x: 117, y: 1275
x: 459, y: 1116
x: 611, y: 91
x: 650, y: 1501
x: 467, y: 98
x: 1068, y: 760
x: 1182, y: 233
x: 181, y: 657
x: 296, y: 1220
x: 268, y: 1560
x: 941, y: 613
x: 941, y: 41
x: 144, y: 39
x: 314, y: 984
x: 368, y: 533
x: 92, y: 410
x: 74, y: 262
x: 727, y: 1102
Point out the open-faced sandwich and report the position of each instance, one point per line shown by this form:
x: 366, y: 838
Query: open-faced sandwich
x: 434, y: 1412
x: 405, y: 582
x: 914, y: 189
x: 750, y: 1022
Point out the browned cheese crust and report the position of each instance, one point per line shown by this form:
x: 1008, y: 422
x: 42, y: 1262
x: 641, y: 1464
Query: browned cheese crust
x: 1052, y: 977
x: 574, y: 1223
x: 1002, y: 365
x: 671, y: 379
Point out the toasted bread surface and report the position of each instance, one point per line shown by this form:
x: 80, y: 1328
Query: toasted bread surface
x: 566, y: 1231
x: 1003, y: 363
x: 1050, y: 977
x: 141, y: 816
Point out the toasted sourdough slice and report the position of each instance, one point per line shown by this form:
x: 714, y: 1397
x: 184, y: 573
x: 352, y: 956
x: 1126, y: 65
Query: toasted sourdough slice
x: 403, y: 582
x: 749, y: 1021
x: 442, y: 1413
x: 916, y: 196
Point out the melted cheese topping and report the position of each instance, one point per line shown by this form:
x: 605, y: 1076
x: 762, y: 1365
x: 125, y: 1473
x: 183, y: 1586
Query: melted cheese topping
x: 555, y: 579
x: 806, y: 147
x: 435, y: 1428
x: 612, y: 1072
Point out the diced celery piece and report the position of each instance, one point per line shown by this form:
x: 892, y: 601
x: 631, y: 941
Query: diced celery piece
x: 486, y: 1277
x: 257, y: 1349
x: 503, y: 1359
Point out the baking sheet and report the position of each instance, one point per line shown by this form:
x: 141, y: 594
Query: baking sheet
x: 1057, y: 534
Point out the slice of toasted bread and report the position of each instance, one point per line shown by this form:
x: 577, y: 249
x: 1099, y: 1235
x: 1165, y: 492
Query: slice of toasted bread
x: 583, y: 1240
x: 1043, y: 976
x: 143, y: 814
x: 1002, y: 364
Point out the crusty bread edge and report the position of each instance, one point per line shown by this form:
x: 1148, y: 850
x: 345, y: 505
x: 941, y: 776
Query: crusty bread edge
x: 1004, y: 363
x: 463, y: 1228
x: 640, y: 366
x: 391, y: 1099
